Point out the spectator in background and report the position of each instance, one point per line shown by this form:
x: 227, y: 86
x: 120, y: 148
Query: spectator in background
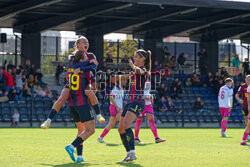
x: 188, y: 82
x: 209, y: 81
x: 109, y: 59
x: 170, y: 105
x: 2, y: 79
x: 12, y: 95
x: 125, y: 59
x: 19, y: 85
x: 10, y: 65
x: 174, y: 94
x: 166, y: 56
x: 156, y: 73
x: 28, y: 68
x: 3, y: 96
x: 224, y: 72
x: 196, y: 80
x: 198, y: 105
x: 9, y: 80
x: 163, y: 104
x: 38, y: 76
x: 202, y: 61
x: 172, y: 64
x: 59, y: 70
x: 182, y: 58
x: 15, y: 118
x: 48, y: 91
x: 218, y: 85
x: 246, y: 66
x: 177, y: 84
x: 216, y: 78
x: 162, y: 90
x: 39, y: 91
x: 236, y: 65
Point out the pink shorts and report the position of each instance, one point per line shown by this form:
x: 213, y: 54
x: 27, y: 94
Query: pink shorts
x: 112, y: 110
x: 147, y: 109
x: 224, y: 112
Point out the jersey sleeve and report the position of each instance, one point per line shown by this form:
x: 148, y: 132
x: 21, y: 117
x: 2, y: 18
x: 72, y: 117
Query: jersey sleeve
x: 240, y: 90
x: 248, y: 89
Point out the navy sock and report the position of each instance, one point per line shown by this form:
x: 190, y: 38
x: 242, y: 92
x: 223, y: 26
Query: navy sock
x: 125, y: 141
x: 79, y: 150
x: 131, y: 138
x: 96, y: 108
x: 77, y: 142
x: 52, y: 114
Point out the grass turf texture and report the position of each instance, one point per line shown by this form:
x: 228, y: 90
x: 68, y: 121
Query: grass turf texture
x: 184, y: 147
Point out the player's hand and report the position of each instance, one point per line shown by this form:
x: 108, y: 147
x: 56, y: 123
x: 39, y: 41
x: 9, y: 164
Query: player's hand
x: 241, y: 101
x: 119, y: 109
x: 230, y: 109
x: 94, y: 61
x: 76, y: 71
x: 131, y: 63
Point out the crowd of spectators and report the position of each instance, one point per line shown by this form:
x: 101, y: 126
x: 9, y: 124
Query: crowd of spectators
x: 22, y: 81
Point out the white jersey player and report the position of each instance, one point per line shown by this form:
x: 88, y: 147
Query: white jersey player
x: 225, y: 99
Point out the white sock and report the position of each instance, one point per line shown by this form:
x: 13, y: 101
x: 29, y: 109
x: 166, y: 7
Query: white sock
x: 132, y: 151
x: 128, y: 152
x: 79, y: 156
x: 49, y: 120
x: 71, y: 146
x: 242, y: 141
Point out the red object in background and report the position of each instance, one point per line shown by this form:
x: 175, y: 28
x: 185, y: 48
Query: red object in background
x: 165, y: 73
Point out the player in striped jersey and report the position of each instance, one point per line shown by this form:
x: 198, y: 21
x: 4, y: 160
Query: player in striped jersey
x: 82, y: 44
x: 135, y: 100
x: 225, y: 99
x: 242, y: 91
x: 80, y: 111
x: 115, y: 108
x: 247, y: 130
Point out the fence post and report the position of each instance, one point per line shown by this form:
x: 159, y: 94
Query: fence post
x: 57, y: 38
x: 16, y: 50
x: 118, y: 48
x: 31, y: 109
x: 195, y: 56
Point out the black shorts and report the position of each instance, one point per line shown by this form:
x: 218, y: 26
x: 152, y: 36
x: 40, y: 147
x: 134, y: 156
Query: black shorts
x: 133, y: 107
x: 245, y: 111
x: 81, y: 113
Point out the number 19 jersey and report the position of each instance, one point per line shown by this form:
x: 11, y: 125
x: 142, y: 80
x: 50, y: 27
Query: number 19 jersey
x: 225, y: 97
x: 77, y: 83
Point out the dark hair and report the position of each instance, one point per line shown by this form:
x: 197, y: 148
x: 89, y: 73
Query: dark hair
x: 147, y: 56
x: 78, y: 56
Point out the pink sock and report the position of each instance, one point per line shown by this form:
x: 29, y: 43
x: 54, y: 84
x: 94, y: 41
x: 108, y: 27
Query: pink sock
x: 222, y: 125
x: 137, y: 128
x: 225, y: 126
x: 245, y: 136
x: 104, y: 133
x: 153, y: 127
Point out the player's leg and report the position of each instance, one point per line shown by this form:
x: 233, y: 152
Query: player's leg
x: 111, y: 124
x: 224, y: 121
x: 93, y: 100
x: 246, y: 114
x: 153, y: 128
x: 137, y: 129
x: 246, y: 133
x: 129, y: 118
x: 80, y: 127
x: 56, y: 107
x: 123, y: 135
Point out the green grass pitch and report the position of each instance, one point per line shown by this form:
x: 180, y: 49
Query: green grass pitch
x: 184, y: 147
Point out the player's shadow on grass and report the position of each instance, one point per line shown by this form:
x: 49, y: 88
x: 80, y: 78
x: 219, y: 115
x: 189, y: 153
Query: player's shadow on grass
x: 129, y: 164
x: 111, y: 144
x: 143, y: 144
x: 71, y: 165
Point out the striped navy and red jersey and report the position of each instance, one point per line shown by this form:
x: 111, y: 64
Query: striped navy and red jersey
x: 242, y: 91
x: 136, y: 87
x: 76, y: 83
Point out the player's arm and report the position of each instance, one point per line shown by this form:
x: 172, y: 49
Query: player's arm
x: 111, y: 98
x: 230, y: 99
x: 248, y: 99
x: 237, y: 96
x: 137, y: 70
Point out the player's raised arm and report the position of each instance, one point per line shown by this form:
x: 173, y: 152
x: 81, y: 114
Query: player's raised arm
x: 237, y: 96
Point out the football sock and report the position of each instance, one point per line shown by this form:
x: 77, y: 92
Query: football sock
x: 137, y: 128
x: 79, y: 150
x: 97, y: 109
x: 244, y: 137
x: 131, y: 138
x: 125, y: 141
x: 52, y: 114
x: 153, y: 128
x: 104, y: 133
x: 77, y: 142
x: 225, y: 126
x: 222, y: 125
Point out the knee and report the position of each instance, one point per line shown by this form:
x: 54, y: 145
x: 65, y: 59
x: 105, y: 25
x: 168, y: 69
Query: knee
x: 121, y: 130
x: 91, y: 131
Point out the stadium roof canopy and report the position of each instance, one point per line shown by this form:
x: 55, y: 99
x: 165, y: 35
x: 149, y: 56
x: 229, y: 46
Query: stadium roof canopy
x: 192, y: 18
